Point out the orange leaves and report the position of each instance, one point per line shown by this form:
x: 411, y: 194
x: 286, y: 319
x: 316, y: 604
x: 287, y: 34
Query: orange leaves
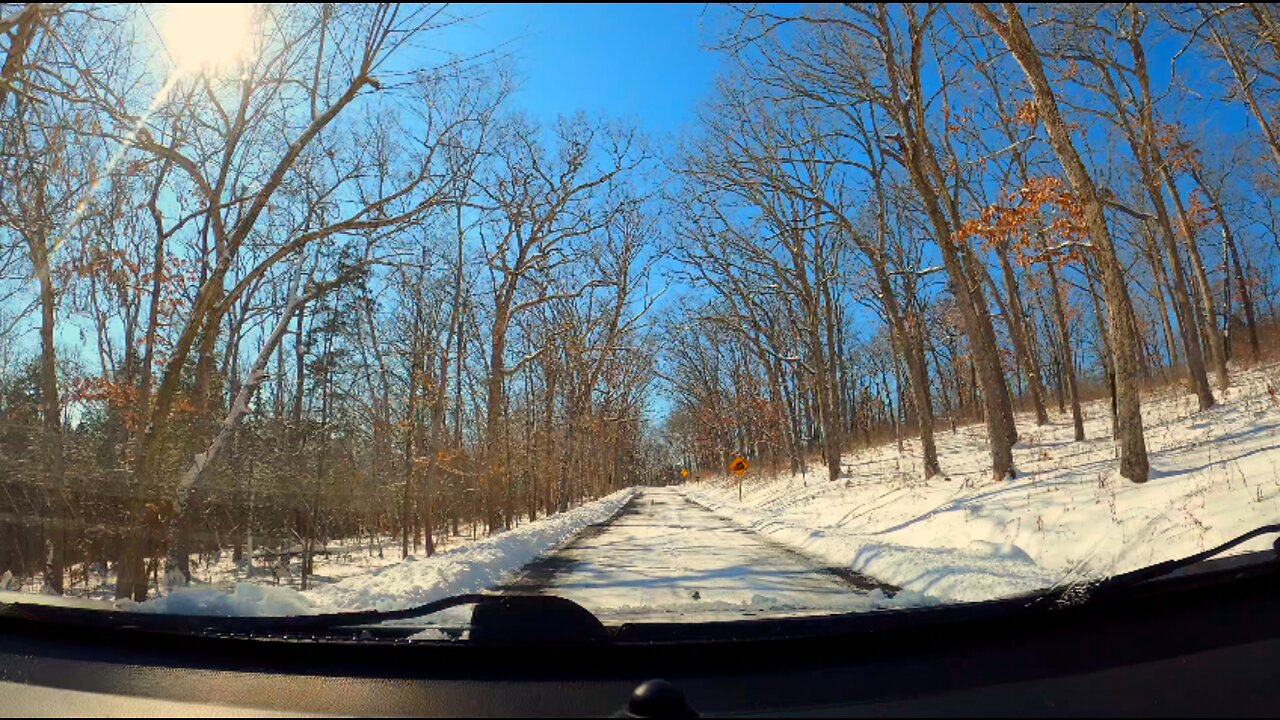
x: 128, y: 276
x: 1027, y: 114
x: 1264, y: 180
x: 1179, y: 153
x: 454, y: 461
x: 1073, y: 311
x: 184, y: 406
x: 995, y: 224
x: 120, y: 398
x: 1198, y: 212
x: 1032, y: 282
x: 1010, y: 224
x: 998, y: 223
x: 103, y: 390
x: 954, y: 122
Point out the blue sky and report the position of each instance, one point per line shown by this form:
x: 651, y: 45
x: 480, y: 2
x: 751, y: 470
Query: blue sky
x: 649, y: 63
x: 644, y: 63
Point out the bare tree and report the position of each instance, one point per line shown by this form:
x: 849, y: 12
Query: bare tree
x: 1133, y: 450
x: 542, y: 203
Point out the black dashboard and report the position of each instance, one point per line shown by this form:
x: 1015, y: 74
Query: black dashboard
x: 1201, y: 644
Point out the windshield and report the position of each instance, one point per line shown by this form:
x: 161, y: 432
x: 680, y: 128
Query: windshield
x: 680, y: 313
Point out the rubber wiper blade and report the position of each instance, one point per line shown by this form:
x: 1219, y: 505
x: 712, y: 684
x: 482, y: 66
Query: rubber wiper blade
x: 1168, y: 567
x: 509, y: 620
x: 229, y: 624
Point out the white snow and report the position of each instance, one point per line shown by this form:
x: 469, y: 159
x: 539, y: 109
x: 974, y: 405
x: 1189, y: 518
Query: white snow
x: 471, y: 568
x: 245, y: 600
x: 66, y: 601
x: 668, y: 559
x: 466, y: 568
x: 962, y: 537
x: 1068, y: 516
x: 340, y: 558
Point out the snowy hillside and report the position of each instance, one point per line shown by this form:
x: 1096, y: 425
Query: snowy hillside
x: 1068, y: 516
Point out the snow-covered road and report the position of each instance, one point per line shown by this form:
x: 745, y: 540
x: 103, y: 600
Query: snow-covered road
x: 665, y: 558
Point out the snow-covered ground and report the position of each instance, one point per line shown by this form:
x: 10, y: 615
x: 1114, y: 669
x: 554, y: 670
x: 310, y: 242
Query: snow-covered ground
x: 340, y: 558
x: 1067, y: 517
x: 368, y: 581
x: 665, y: 558
x: 467, y: 568
x: 481, y: 565
x: 962, y: 537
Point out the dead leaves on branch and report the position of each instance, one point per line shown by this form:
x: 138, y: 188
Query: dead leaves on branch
x: 1041, y: 209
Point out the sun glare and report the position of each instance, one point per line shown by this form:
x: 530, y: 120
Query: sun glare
x: 208, y: 37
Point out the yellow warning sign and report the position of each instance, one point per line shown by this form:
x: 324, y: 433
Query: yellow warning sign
x: 739, y: 465
x: 684, y: 472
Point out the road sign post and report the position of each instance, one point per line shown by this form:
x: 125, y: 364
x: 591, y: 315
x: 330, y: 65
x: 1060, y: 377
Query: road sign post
x: 738, y: 466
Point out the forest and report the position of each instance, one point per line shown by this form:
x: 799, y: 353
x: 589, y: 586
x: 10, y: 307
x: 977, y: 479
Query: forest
x: 311, y: 281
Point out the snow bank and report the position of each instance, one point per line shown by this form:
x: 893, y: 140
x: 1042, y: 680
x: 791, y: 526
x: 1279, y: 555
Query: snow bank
x: 471, y: 568
x: 1068, y: 516
x: 245, y: 600
x: 927, y: 574
x: 67, y: 601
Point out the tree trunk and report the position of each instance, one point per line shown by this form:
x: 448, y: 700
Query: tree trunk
x: 1161, y: 283
x: 494, y: 474
x: 1152, y: 169
x: 834, y: 431
x: 51, y: 411
x: 1068, y: 360
x: 1246, y: 296
x: 1001, y: 433
x: 1213, y: 338
x: 1133, y: 449
x: 1108, y: 351
x: 410, y: 441
x: 1049, y: 330
x: 910, y: 346
x: 919, y: 156
x: 1016, y: 320
x: 1233, y: 251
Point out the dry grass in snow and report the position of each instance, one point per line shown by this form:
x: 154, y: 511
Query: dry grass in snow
x: 1068, y: 515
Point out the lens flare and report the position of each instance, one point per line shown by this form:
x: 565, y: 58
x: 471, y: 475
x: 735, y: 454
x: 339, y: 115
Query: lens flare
x: 208, y: 37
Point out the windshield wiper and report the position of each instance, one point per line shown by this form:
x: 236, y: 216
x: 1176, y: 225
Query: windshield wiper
x: 1158, y: 570
x: 231, y: 624
x: 497, y: 619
